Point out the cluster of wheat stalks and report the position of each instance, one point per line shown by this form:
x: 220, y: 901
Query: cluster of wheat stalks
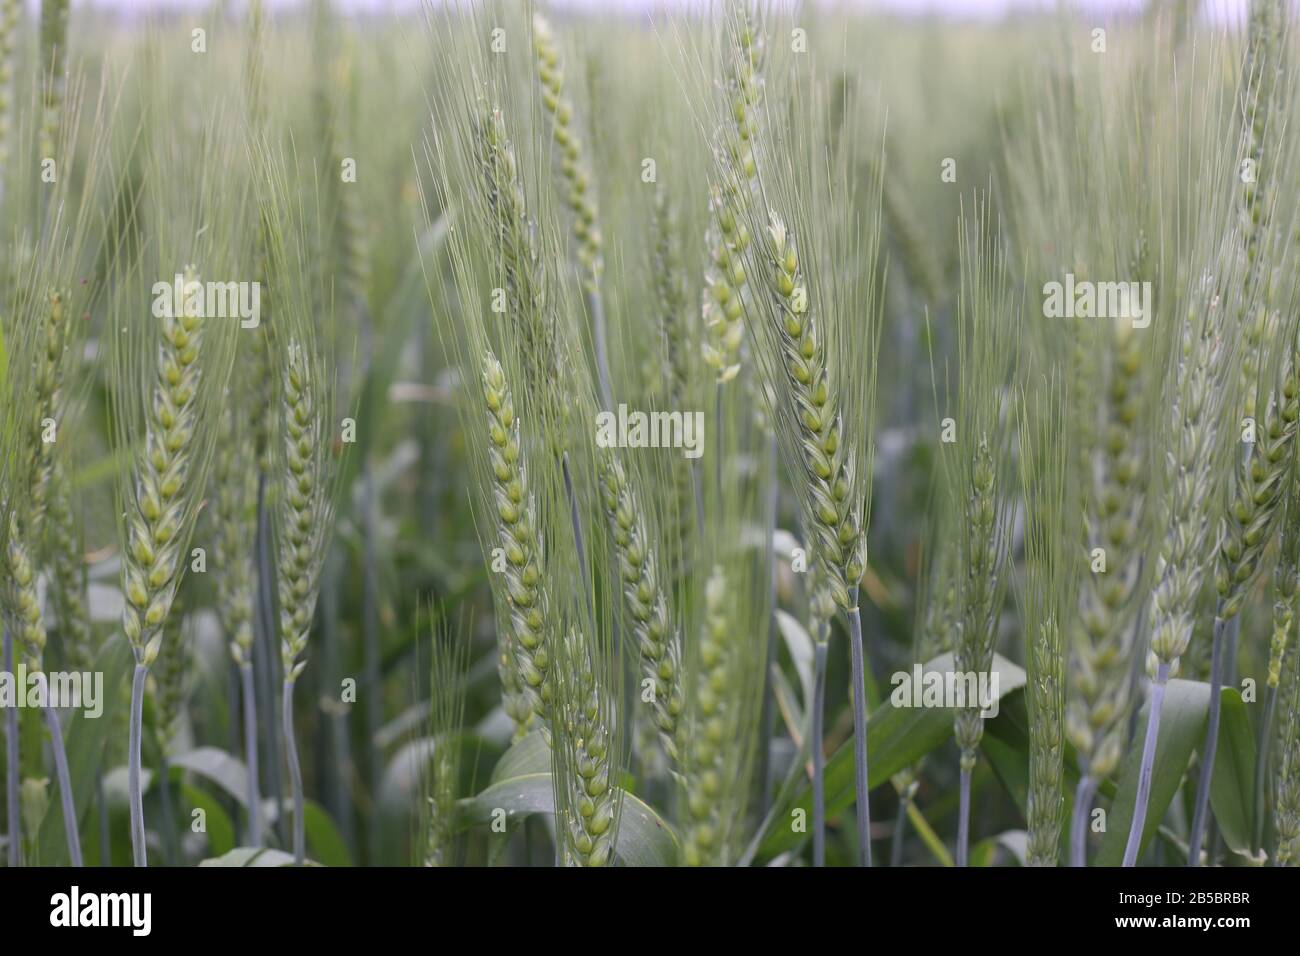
x: 680, y: 654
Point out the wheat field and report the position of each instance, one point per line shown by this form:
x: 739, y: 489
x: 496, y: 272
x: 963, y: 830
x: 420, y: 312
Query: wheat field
x: 710, y: 434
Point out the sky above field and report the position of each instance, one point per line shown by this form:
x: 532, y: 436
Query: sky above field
x: 1229, y: 10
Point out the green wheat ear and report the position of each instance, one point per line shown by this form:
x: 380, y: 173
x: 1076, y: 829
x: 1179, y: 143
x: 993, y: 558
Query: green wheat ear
x: 580, y: 189
x: 47, y: 387
x: 35, y: 461
x: 160, y: 516
x: 1260, y: 483
x: 828, y: 488
x: 726, y: 282
x: 54, y: 41
x: 711, y: 734
x: 449, y: 662
x: 1047, y: 607
x: 583, y: 751
x: 306, y: 506
x: 234, y: 517
x: 658, y: 642
x: 518, y: 532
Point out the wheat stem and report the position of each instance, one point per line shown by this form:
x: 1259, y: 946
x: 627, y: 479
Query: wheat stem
x: 898, y: 838
x: 105, y: 837
x: 1262, y: 741
x: 64, y: 778
x: 139, y: 852
x: 235, y: 508
x: 859, y: 728
x: 15, y: 837
x: 963, y: 816
x: 295, y: 773
x: 1286, y: 806
x: 263, y: 639
x: 1080, y: 815
x: 818, y: 754
x: 250, y: 754
x: 1143, y: 797
x: 1196, y: 835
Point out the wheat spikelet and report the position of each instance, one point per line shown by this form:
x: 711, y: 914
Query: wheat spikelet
x: 1101, y: 650
x: 579, y: 191
x: 580, y: 188
x: 45, y: 408
x: 518, y: 256
x: 449, y: 658
x: 1255, y: 506
x: 726, y: 283
x: 234, y: 517
x: 585, y: 752
x: 170, y: 674
x: 670, y: 301
x: 513, y: 699
x: 306, y: 507
x: 1048, y: 596
x: 261, y: 373
x: 821, y: 603
x: 1047, y: 747
x: 982, y: 556
x: 711, y: 733
x: 658, y: 643
x: 1263, y: 124
x: 1195, y: 432
x: 35, y: 458
x: 828, y: 487
x: 24, y: 603
x: 54, y: 41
